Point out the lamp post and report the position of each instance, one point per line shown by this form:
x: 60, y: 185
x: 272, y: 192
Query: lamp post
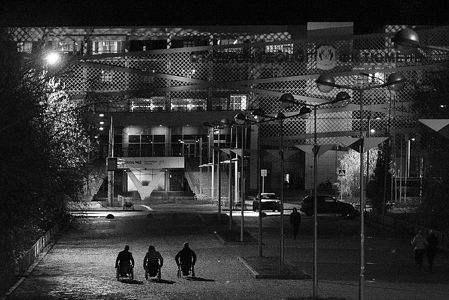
x: 111, y: 174
x: 218, y: 126
x: 407, y: 41
x: 326, y: 83
x: 258, y: 113
x: 241, y: 120
x: 288, y: 100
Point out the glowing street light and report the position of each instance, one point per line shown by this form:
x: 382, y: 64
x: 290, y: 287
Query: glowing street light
x: 287, y: 100
x: 52, y: 58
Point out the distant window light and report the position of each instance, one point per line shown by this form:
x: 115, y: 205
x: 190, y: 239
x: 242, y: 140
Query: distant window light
x: 25, y: 47
x: 106, y: 76
x: 100, y: 47
x: 238, y: 102
x: 67, y: 46
x: 284, y: 48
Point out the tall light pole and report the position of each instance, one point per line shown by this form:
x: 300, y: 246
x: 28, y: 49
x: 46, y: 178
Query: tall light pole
x: 258, y: 113
x: 242, y: 119
x: 110, y: 171
x: 326, y: 83
x: 287, y: 100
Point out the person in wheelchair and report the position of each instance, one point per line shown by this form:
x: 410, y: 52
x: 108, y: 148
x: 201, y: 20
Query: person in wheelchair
x: 152, y: 263
x: 185, y: 260
x: 125, y: 263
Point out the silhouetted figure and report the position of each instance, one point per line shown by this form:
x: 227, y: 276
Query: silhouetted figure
x: 295, y: 221
x: 125, y: 263
x: 419, y: 247
x: 185, y: 259
x: 432, y: 245
x: 152, y: 263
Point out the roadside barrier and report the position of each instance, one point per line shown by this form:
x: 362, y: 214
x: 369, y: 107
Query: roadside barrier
x: 26, y: 260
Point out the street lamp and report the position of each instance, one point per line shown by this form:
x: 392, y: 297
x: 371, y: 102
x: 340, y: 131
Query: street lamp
x: 326, y: 83
x: 407, y: 41
x: 279, y: 117
x: 287, y: 100
x: 241, y: 120
x: 216, y: 125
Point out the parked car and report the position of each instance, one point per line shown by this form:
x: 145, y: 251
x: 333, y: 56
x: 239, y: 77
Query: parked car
x: 328, y: 205
x: 270, y: 201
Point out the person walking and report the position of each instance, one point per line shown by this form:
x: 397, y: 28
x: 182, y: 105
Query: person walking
x: 185, y: 260
x: 152, y: 263
x: 295, y: 221
x: 124, y: 263
x: 419, y: 247
x: 432, y: 245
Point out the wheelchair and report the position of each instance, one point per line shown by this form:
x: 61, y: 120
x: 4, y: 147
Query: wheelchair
x: 152, y: 271
x: 125, y: 271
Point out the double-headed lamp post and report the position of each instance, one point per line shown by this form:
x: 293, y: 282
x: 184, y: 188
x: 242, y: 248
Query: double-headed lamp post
x: 288, y: 100
x: 326, y: 83
x: 407, y: 41
x: 258, y: 113
x: 216, y: 125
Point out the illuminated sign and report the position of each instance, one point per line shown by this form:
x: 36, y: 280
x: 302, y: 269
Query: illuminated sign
x: 327, y: 57
x: 150, y: 162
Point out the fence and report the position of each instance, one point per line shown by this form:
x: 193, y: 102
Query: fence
x: 30, y: 256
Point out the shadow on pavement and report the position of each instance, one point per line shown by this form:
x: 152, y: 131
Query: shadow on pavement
x: 131, y: 281
x: 157, y: 280
x: 198, y: 279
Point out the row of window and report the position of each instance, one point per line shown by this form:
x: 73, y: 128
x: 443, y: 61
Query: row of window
x: 111, y: 46
x: 234, y: 102
x: 155, y: 145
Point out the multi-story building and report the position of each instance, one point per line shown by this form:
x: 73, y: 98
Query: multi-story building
x: 157, y: 86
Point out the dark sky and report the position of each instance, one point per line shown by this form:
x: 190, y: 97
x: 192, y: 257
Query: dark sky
x: 365, y: 13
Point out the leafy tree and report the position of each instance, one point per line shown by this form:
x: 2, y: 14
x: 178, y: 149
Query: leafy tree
x: 350, y: 162
x: 44, y: 146
x: 379, y: 182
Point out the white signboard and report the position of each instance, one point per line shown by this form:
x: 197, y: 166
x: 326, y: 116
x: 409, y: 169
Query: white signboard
x: 150, y: 162
x: 263, y: 172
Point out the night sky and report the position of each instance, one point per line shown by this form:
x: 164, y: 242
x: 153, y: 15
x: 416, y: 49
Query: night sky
x: 367, y: 15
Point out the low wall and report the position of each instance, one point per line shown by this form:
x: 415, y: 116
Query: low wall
x: 30, y: 256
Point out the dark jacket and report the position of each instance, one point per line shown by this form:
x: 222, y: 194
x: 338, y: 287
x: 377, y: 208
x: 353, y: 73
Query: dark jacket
x: 124, y: 257
x: 185, y: 257
x: 153, y: 258
x: 295, y: 218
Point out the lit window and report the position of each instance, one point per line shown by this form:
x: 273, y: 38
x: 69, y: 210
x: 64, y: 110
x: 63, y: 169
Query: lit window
x: 100, y: 47
x: 284, y: 48
x: 68, y: 46
x: 106, y: 76
x: 238, y: 102
x: 25, y: 47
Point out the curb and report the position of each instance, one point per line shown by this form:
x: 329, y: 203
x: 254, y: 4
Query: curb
x: 40, y: 257
x: 218, y: 236
x: 258, y: 275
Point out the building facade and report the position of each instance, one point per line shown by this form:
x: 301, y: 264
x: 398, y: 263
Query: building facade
x: 153, y: 88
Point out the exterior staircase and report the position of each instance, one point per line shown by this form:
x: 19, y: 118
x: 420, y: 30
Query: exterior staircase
x: 200, y: 182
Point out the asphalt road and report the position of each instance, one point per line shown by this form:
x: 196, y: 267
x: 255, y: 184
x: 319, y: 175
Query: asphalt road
x: 81, y: 264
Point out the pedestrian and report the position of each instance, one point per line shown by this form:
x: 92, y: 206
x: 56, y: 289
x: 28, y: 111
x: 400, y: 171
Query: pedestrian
x: 295, y: 221
x: 419, y: 247
x: 124, y: 263
x: 152, y: 263
x: 185, y: 260
x: 432, y: 245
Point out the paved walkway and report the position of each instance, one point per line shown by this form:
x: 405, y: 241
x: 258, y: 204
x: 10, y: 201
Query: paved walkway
x: 81, y: 264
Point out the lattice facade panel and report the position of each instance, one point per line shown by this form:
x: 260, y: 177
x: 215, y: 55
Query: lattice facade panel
x: 260, y: 65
